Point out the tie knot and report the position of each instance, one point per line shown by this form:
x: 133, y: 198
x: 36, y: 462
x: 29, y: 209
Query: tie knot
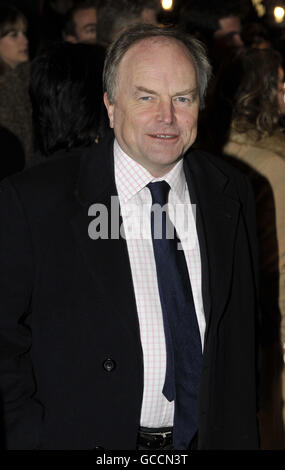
x: 159, y: 192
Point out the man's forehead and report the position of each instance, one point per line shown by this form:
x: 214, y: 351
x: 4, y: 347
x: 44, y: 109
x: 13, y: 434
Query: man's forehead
x: 154, y: 57
x: 149, y: 46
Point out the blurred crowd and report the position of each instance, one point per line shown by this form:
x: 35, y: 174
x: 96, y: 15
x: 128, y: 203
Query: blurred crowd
x: 51, y: 102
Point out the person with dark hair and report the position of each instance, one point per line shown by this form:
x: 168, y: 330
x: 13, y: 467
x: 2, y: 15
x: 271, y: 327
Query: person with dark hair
x: 114, y: 17
x: 80, y: 23
x: 219, y: 26
x: 51, y: 22
x: 15, y: 106
x: 14, y: 47
x: 123, y: 323
x: 66, y: 94
x: 251, y: 91
x: 256, y: 35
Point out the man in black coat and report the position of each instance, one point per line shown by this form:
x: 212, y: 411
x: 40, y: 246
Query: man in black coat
x: 83, y: 352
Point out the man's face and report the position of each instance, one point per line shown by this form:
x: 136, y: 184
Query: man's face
x: 86, y: 25
x: 229, y: 33
x: 155, y: 111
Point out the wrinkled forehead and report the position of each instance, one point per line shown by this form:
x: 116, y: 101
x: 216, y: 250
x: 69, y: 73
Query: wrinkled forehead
x: 148, y: 45
x: 148, y: 49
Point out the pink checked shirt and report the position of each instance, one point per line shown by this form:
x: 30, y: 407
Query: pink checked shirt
x: 135, y: 203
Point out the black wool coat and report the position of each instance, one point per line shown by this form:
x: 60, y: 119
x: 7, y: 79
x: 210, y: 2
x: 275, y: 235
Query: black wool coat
x: 71, y: 365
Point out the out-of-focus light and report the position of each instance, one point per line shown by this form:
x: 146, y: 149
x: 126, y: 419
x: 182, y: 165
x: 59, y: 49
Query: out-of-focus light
x: 166, y: 4
x: 279, y: 14
x: 260, y: 8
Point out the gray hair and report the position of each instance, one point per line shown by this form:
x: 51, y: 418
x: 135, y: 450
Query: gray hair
x: 138, y: 32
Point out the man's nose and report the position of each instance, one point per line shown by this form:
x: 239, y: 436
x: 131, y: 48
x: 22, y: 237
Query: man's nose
x: 166, y: 112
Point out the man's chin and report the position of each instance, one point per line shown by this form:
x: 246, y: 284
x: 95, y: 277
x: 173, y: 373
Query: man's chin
x: 159, y: 167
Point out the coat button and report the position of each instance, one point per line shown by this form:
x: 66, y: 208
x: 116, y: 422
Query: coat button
x: 109, y: 365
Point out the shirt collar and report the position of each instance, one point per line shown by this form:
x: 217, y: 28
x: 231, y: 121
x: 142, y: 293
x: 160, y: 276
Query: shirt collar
x: 131, y: 177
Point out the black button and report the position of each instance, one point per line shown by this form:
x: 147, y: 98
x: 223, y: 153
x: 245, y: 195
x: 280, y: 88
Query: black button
x: 109, y: 365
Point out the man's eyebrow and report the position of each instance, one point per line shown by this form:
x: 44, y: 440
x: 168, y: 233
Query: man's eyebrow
x: 146, y: 90
x: 187, y: 92
x: 180, y: 93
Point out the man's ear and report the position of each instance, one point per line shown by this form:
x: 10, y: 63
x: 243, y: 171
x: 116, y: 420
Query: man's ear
x: 110, y: 110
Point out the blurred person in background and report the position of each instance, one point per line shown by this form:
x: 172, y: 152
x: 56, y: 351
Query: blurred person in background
x: 80, y: 24
x: 219, y: 26
x: 256, y: 35
x: 115, y: 16
x: 15, y: 106
x: 66, y: 94
x: 248, y: 106
x: 51, y: 22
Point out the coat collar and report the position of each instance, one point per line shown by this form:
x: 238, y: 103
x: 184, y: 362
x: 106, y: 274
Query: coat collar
x: 217, y: 211
x: 106, y: 258
x: 96, y: 177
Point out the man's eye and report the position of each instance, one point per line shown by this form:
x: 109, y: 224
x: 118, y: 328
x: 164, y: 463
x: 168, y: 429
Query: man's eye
x: 182, y: 99
x: 145, y: 98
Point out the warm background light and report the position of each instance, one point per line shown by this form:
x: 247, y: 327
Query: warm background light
x: 166, y: 4
x: 259, y: 6
x: 279, y: 14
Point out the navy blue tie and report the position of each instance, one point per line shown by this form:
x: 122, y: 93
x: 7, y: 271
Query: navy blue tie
x: 183, y: 342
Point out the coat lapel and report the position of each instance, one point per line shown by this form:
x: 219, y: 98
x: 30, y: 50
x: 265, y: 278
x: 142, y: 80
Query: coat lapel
x: 217, y: 210
x: 106, y: 258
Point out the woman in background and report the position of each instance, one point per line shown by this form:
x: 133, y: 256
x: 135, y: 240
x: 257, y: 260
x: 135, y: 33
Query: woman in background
x: 15, y: 106
x: 249, y: 105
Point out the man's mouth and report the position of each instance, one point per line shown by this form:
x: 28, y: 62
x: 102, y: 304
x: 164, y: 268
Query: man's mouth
x: 164, y: 136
